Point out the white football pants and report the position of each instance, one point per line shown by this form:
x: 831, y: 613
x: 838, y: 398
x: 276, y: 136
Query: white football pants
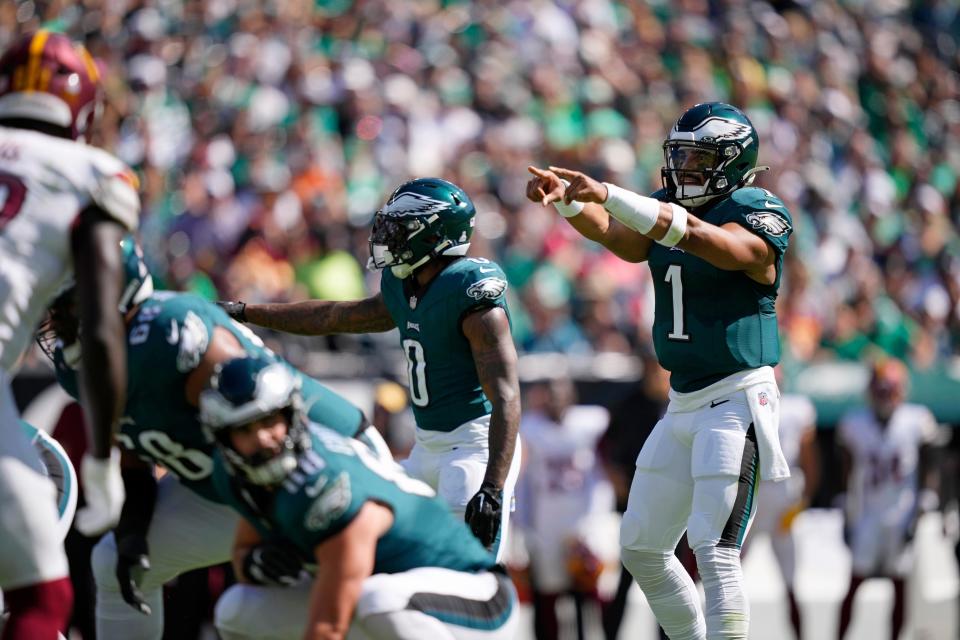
x: 426, y: 603
x: 31, y: 551
x: 698, y: 472
x: 453, y: 464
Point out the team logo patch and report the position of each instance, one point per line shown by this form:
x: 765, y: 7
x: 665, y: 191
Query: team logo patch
x: 769, y: 222
x: 413, y: 204
x: 490, y: 288
x: 331, y: 503
x: 762, y: 398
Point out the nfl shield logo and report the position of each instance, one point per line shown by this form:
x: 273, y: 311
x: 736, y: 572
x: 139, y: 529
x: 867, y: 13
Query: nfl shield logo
x: 763, y: 398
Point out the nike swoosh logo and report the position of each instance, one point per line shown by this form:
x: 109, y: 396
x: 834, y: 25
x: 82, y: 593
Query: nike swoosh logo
x: 482, y: 270
x: 770, y: 205
x: 717, y: 403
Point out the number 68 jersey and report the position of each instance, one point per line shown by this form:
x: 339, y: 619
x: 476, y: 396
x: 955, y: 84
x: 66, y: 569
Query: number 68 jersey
x: 166, y: 340
x: 45, y: 183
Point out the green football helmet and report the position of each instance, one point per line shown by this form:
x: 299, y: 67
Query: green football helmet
x: 62, y: 324
x: 245, y: 390
x: 421, y: 220
x: 711, y: 150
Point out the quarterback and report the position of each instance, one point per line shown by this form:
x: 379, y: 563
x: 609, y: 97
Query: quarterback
x: 454, y: 326
x: 174, y: 341
x: 389, y: 560
x: 715, y: 247
x: 63, y: 208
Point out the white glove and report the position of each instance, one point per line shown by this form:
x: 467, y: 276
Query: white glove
x: 103, y: 489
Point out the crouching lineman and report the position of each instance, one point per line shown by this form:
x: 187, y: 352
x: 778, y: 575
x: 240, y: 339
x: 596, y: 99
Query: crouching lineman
x: 177, y: 524
x: 391, y: 561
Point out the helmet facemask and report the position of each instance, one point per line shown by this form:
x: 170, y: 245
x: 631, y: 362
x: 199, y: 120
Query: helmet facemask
x: 245, y: 394
x: 61, y: 329
x: 695, y: 170
x: 266, y: 468
x: 423, y: 219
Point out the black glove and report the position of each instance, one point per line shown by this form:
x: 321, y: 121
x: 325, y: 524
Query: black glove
x: 272, y: 565
x: 132, y: 562
x: 484, y: 513
x: 236, y: 310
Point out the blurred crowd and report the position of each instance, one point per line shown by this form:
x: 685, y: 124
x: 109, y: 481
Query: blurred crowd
x: 266, y: 133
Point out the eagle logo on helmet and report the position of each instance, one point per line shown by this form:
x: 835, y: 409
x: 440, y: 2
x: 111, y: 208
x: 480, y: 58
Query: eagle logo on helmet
x: 772, y: 223
x: 490, y: 288
x: 410, y: 203
x: 717, y: 129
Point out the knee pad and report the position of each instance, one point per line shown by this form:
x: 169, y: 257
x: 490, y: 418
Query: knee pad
x: 727, y: 610
x: 670, y: 592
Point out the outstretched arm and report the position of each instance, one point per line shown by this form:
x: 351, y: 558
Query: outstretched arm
x: 730, y: 246
x: 592, y: 222
x: 317, y: 317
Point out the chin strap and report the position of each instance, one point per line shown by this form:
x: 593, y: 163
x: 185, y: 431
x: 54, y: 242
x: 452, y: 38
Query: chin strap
x: 751, y: 175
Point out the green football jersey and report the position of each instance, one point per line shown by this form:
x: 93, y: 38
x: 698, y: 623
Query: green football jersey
x: 165, y: 341
x: 710, y: 323
x: 444, y: 387
x: 332, y: 481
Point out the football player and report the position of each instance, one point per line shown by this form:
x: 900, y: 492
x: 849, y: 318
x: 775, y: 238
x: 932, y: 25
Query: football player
x: 886, y: 463
x: 174, y: 341
x: 715, y: 247
x: 451, y: 312
x: 391, y: 561
x: 63, y: 208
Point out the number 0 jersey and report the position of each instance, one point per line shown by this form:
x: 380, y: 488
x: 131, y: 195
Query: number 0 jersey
x: 45, y: 183
x: 710, y: 323
x: 444, y: 387
x: 165, y: 341
x: 332, y: 481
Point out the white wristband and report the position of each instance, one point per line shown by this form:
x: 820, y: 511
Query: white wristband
x: 678, y: 227
x: 638, y: 212
x: 568, y: 210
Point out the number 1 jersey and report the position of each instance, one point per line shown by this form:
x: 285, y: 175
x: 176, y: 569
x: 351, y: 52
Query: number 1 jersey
x: 444, y: 388
x: 710, y: 323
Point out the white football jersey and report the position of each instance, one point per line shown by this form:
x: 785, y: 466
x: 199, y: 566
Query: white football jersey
x: 797, y: 414
x: 885, y: 459
x: 563, y: 477
x: 45, y: 182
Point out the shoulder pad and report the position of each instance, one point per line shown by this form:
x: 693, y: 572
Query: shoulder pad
x: 164, y: 326
x: 483, y: 280
x: 114, y: 189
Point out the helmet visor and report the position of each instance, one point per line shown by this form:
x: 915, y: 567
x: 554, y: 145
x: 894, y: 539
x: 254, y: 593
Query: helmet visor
x: 689, y: 163
x: 388, y: 241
